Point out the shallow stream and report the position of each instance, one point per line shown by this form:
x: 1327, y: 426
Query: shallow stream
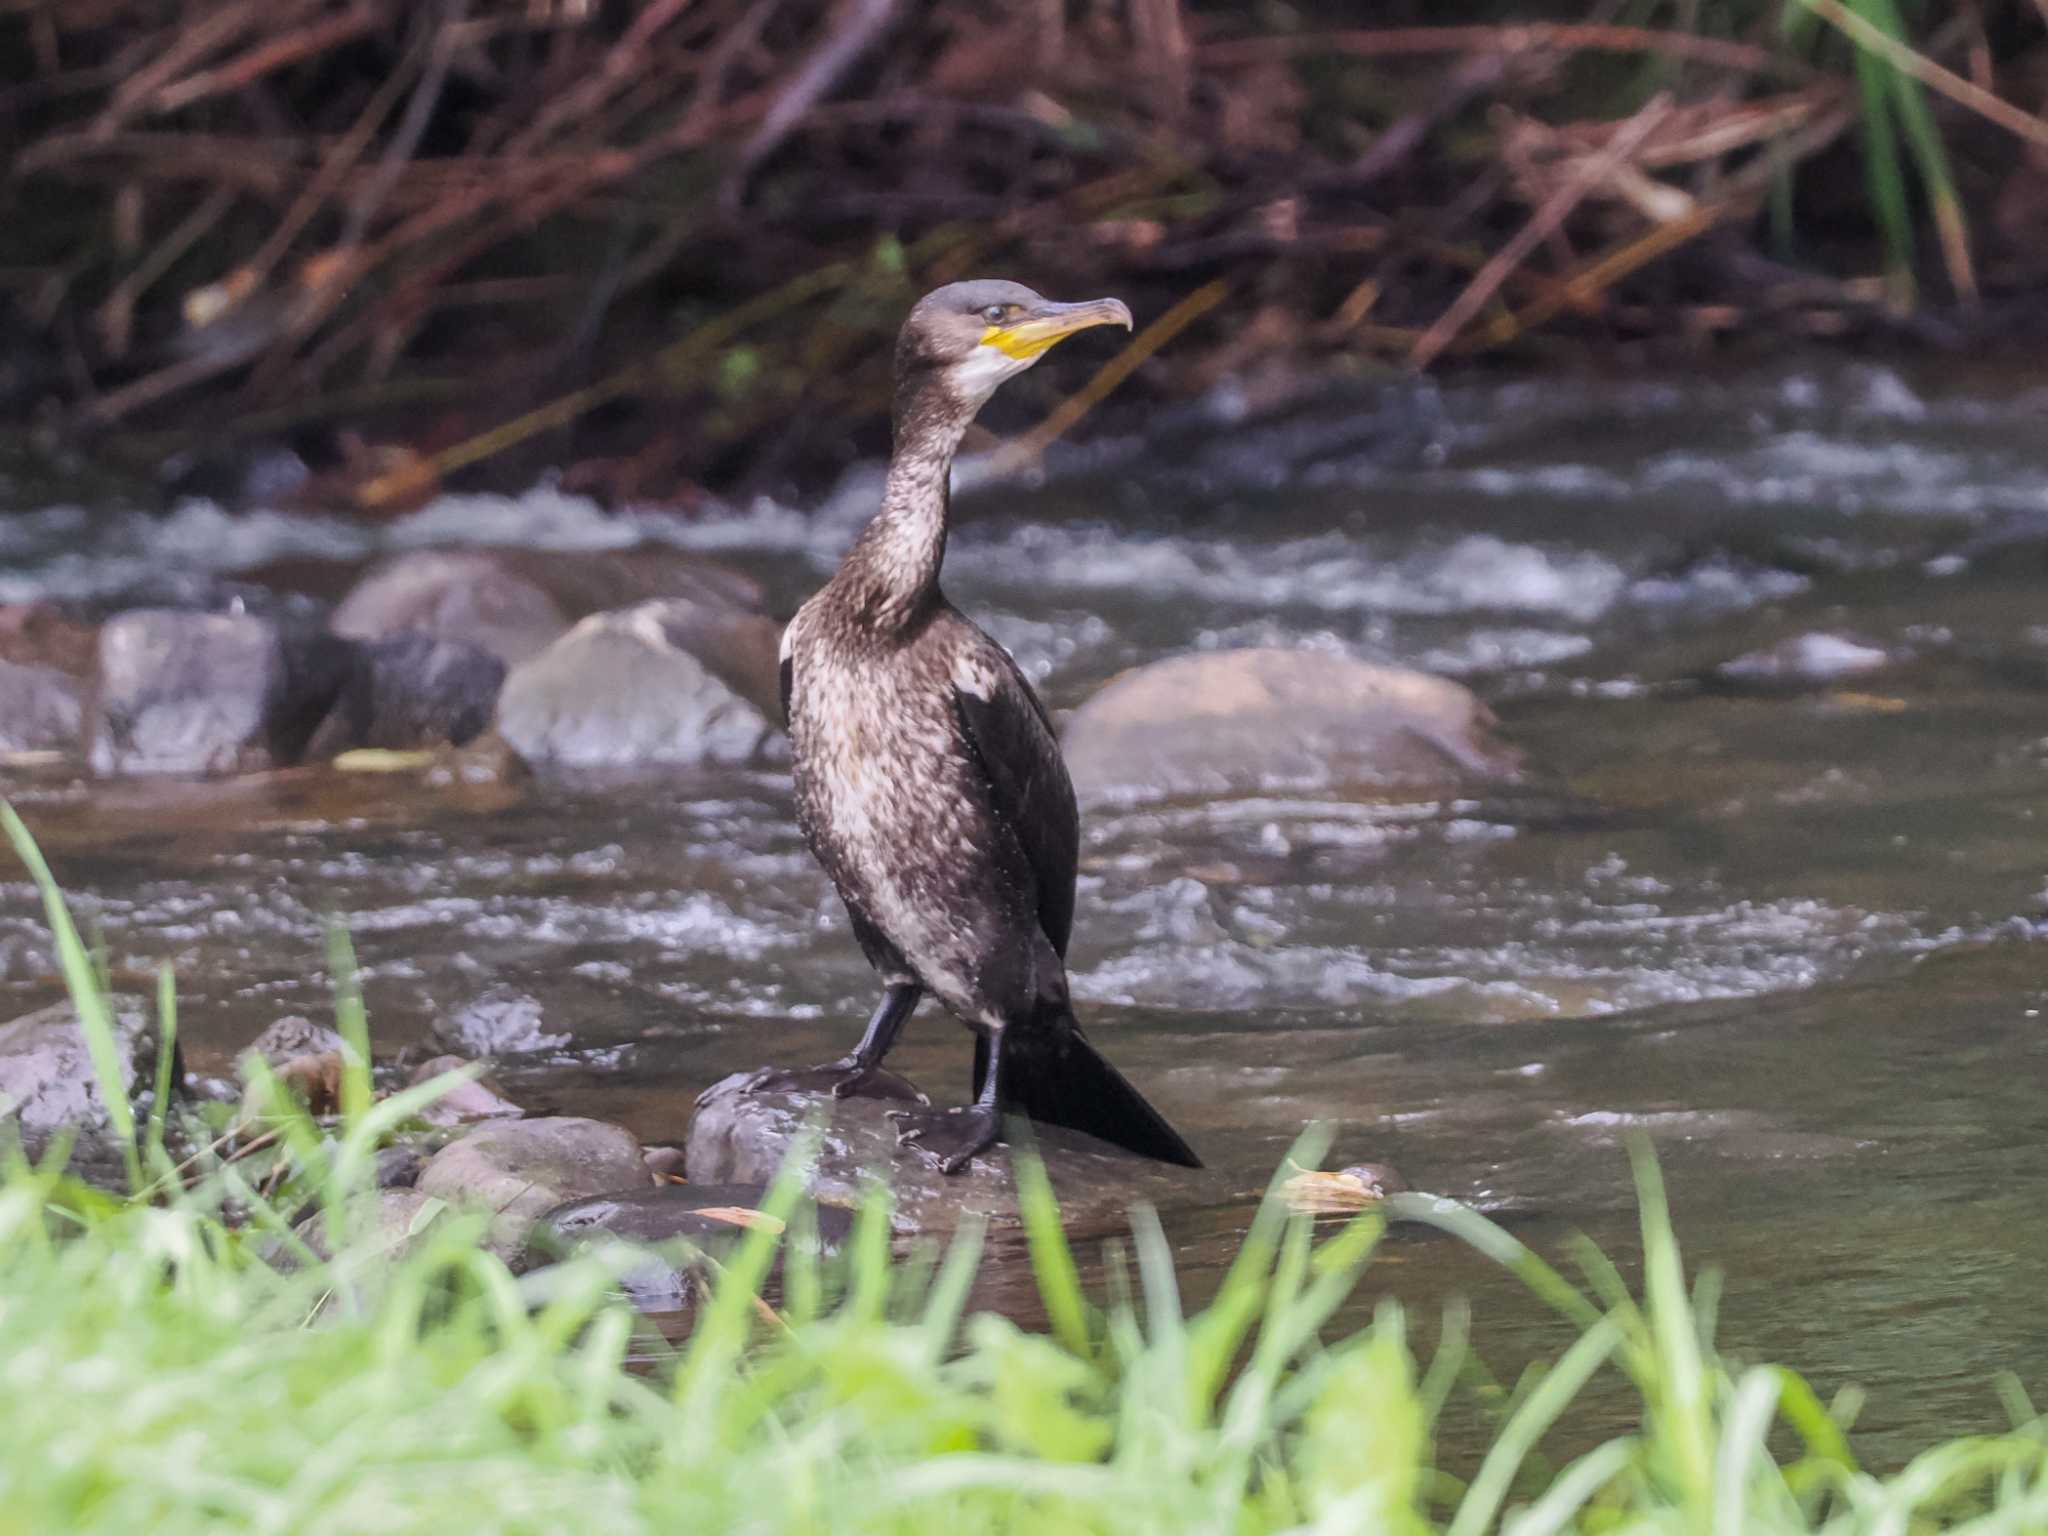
x: 1795, y: 934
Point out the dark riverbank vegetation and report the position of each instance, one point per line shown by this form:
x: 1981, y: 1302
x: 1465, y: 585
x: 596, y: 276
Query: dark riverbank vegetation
x: 665, y: 244
x: 185, y: 1358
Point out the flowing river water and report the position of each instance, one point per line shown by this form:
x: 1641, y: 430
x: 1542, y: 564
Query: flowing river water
x: 1794, y: 934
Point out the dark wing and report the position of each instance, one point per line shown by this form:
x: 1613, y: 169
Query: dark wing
x: 788, y: 679
x: 1011, y: 737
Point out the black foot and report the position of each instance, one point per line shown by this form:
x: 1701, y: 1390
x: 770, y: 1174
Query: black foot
x: 946, y: 1138
x: 842, y: 1079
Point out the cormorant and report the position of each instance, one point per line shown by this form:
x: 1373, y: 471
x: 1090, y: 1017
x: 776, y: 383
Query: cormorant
x: 928, y: 781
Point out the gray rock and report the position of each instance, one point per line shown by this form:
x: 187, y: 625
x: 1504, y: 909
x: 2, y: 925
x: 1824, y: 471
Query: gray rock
x: 40, y: 709
x: 47, y: 1080
x: 389, y: 1223
x: 470, y: 596
x: 399, y: 1165
x: 501, y: 1021
x: 411, y: 690
x: 292, y: 1038
x: 202, y: 693
x: 738, y: 1137
x: 1811, y: 660
x: 519, y: 1169
x: 1244, y: 721
x: 476, y: 1099
x: 631, y: 689
x: 306, y: 1058
x: 514, y: 603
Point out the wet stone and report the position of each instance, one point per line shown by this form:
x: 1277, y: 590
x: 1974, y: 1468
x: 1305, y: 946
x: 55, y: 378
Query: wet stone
x: 40, y: 709
x: 411, y: 690
x: 519, y: 1169
x: 1245, y: 721
x: 711, y: 1218
x: 389, y: 1222
x: 205, y: 693
x: 47, y: 1080
x: 292, y: 1037
x: 476, y: 1099
x: 639, y: 687
x: 303, y: 1056
x: 738, y: 1137
x: 398, y: 1165
x: 461, y: 595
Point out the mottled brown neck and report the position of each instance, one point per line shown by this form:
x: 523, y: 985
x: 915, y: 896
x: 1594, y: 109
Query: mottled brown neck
x: 890, y: 578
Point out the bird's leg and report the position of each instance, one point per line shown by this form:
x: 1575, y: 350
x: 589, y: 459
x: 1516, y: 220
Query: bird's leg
x: 850, y: 1074
x: 949, y: 1138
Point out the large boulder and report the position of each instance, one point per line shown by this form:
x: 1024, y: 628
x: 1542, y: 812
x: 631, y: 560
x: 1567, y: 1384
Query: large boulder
x: 1245, y: 721
x: 209, y: 693
x: 411, y: 690
x: 40, y: 709
x: 518, y: 1169
x: 48, y: 1082
x: 741, y: 1136
x: 638, y: 687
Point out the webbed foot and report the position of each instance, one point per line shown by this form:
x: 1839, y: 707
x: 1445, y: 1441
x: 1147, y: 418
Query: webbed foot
x: 842, y: 1079
x: 947, y: 1139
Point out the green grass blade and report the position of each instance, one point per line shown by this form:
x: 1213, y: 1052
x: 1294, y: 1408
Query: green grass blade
x: 1930, y: 157
x: 95, y: 1018
x: 1742, y: 1450
x: 1509, y: 1252
x: 352, y: 1020
x: 1052, y: 1259
x: 166, y: 1063
x: 1529, y: 1423
x: 1563, y: 1499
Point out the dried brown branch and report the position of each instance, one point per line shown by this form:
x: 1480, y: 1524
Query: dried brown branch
x: 1584, y: 178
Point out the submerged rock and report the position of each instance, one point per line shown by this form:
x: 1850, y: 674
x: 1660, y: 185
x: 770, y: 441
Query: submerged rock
x: 519, y: 1169
x: 641, y: 686
x: 47, y: 1079
x: 742, y: 1137
x: 712, y: 1218
x: 210, y: 693
x: 411, y: 690
x: 1234, y: 722
x: 40, y: 709
x: 500, y: 1021
x: 1811, y: 660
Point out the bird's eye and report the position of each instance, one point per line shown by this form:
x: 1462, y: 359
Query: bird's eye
x: 994, y: 313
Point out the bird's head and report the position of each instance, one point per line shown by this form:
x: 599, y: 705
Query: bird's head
x: 969, y: 337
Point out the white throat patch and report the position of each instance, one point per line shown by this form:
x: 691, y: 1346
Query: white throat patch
x: 979, y: 374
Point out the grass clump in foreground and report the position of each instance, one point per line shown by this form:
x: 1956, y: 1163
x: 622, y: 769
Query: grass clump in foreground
x: 159, y: 1372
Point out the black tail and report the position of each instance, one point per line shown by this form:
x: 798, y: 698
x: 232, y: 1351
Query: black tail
x: 1055, y: 1076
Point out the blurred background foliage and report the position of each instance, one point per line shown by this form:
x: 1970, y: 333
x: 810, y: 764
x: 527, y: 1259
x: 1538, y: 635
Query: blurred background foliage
x: 664, y: 243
